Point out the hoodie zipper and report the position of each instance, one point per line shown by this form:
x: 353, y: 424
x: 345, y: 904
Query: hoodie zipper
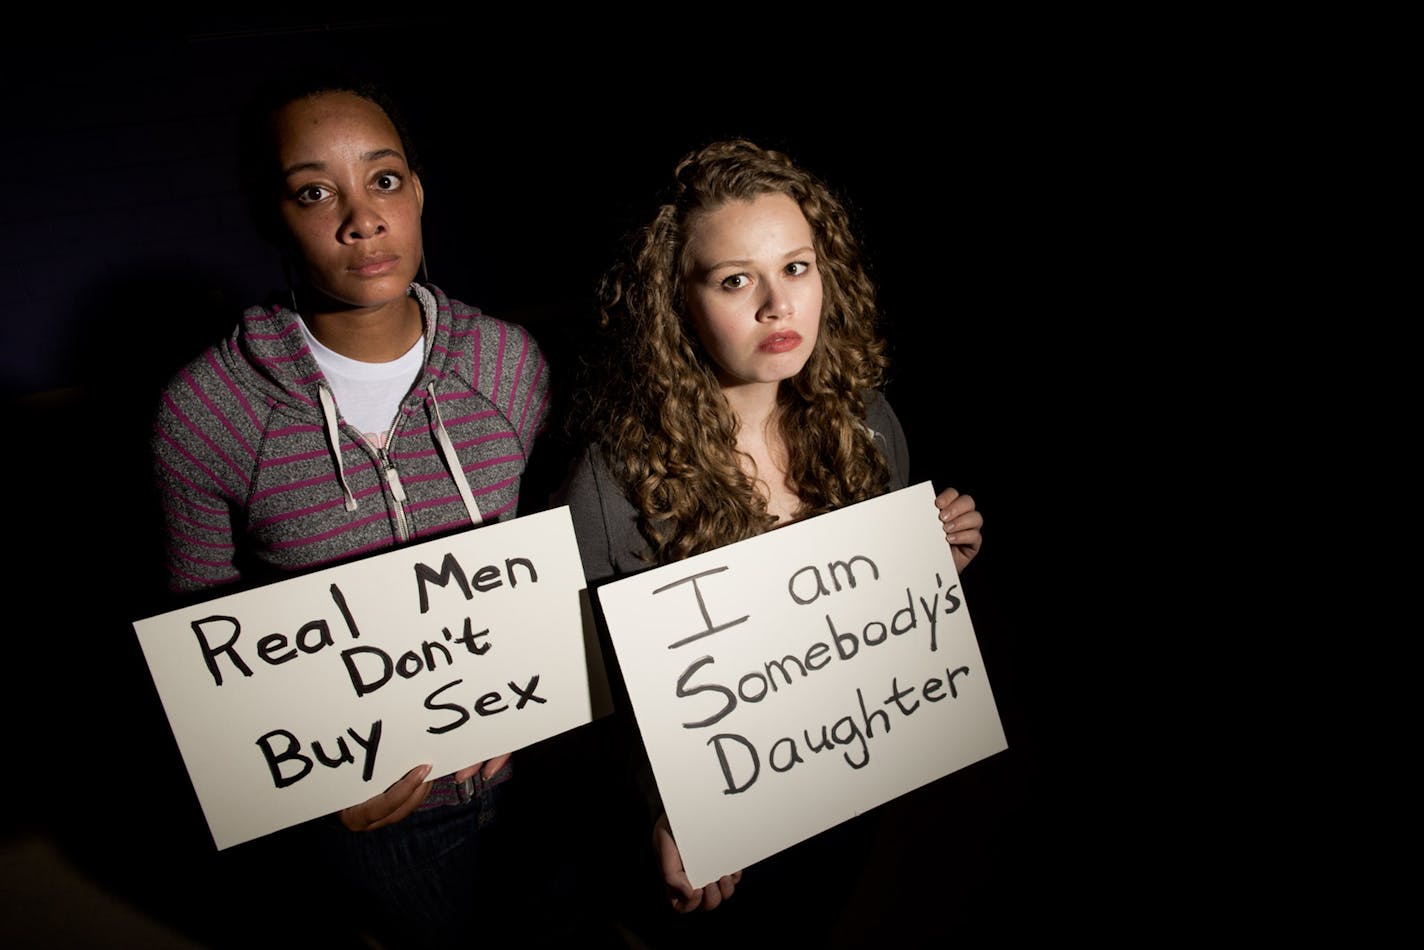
x: 393, y: 480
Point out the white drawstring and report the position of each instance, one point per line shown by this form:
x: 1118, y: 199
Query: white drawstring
x: 333, y: 436
x: 452, y: 460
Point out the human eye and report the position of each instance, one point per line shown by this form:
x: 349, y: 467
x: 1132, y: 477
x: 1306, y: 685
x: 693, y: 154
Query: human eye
x: 797, y: 268
x: 388, y: 181
x: 735, y: 281
x: 310, y: 194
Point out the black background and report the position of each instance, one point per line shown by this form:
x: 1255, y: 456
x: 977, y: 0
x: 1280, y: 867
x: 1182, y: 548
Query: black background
x: 1002, y: 186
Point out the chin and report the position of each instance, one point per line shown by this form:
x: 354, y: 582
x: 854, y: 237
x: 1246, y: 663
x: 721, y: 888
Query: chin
x: 369, y: 297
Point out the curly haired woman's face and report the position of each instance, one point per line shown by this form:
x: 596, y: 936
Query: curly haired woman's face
x: 754, y: 290
x: 351, y: 204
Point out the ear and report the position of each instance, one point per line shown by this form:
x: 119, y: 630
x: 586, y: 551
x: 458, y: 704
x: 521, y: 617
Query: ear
x: 419, y: 192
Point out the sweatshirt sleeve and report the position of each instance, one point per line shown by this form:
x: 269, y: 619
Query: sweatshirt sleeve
x: 200, y: 471
x: 584, y: 496
x: 889, y: 437
x: 510, y: 367
x: 601, y: 514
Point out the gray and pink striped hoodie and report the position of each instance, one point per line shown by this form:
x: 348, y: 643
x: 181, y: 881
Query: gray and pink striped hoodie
x: 260, y: 476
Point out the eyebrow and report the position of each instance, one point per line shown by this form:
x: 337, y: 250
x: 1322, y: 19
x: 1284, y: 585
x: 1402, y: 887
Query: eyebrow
x: 374, y: 155
x: 807, y: 249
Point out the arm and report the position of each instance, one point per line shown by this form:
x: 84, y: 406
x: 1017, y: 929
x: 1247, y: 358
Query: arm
x: 962, y: 522
x: 600, y: 515
x: 604, y: 521
x: 199, y: 473
x: 519, y: 386
x: 889, y: 437
x: 587, y: 492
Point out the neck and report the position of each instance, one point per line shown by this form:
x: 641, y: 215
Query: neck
x: 369, y: 334
x: 754, y: 404
x: 763, y: 452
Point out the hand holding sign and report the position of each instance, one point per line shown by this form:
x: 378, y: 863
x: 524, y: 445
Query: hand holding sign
x: 392, y: 805
x: 405, y: 796
x: 961, y: 526
x: 686, y: 897
x: 487, y: 768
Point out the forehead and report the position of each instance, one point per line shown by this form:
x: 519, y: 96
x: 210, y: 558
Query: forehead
x: 329, y: 120
x: 769, y: 224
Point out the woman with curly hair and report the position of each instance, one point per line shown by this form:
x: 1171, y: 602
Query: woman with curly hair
x: 738, y: 388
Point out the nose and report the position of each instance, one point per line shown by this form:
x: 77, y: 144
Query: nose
x: 362, y: 222
x: 776, y: 304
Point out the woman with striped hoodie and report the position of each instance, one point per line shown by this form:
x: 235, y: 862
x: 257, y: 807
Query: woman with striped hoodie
x: 366, y: 411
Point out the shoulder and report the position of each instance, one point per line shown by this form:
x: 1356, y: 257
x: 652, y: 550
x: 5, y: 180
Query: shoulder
x: 256, y: 361
x: 605, y: 522
x: 888, y: 436
x: 498, y: 360
x: 591, y: 486
x: 218, y: 399
x: 483, y: 331
x: 880, y: 418
x: 210, y: 371
x: 492, y: 349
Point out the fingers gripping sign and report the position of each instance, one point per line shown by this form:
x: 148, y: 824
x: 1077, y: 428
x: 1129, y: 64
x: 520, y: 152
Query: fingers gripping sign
x: 962, y: 526
x: 487, y: 769
x: 405, y: 796
x: 684, y: 896
x: 390, y: 806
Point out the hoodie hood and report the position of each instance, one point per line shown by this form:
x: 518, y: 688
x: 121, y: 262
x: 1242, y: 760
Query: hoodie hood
x: 268, y: 353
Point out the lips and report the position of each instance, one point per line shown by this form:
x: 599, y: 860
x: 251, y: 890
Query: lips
x: 781, y: 341
x: 375, y: 266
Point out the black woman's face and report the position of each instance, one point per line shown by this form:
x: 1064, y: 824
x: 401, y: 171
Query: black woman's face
x: 350, y: 203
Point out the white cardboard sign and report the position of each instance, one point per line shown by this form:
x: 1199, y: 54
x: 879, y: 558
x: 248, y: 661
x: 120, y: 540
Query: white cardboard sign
x: 299, y: 698
x: 789, y: 682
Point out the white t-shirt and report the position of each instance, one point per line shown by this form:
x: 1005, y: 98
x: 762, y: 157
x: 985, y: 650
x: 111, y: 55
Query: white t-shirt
x: 368, y: 394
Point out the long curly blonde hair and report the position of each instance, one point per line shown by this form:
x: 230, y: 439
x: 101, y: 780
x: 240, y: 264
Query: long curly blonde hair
x: 652, y: 402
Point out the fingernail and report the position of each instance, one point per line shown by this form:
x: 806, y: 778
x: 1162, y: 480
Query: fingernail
x: 949, y: 526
